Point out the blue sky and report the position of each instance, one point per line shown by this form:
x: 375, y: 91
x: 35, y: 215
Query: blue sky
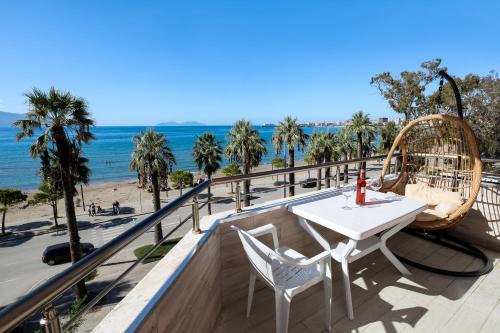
x: 143, y: 62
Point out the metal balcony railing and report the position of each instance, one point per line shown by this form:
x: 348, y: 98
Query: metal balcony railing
x: 42, y: 298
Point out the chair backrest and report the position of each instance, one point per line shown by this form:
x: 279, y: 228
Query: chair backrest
x: 261, y: 257
x: 440, y: 151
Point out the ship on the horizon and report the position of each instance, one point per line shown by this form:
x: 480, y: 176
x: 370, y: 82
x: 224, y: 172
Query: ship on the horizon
x: 268, y: 125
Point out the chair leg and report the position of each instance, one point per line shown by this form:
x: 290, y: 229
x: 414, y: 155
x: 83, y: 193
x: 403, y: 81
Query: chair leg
x: 251, y: 288
x: 327, y: 285
x: 347, y: 287
x: 282, y: 311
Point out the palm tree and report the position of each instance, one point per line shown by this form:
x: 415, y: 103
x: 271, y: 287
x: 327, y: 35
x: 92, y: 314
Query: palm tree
x: 62, y: 120
x: 388, y: 134
x: 49, y: 193
x: 8, y: 197
x: 315, y: 154
x: 289, y: 133
x: 308, y: 160
x: 330, y: 143
x: 279, y: 163
x: 247, y: 148
x: 359, y: 124
x: 346, y: 148
x: 141, y: 172
x: 207, y: 154
x: 153, y: 152
x: 231, y: 170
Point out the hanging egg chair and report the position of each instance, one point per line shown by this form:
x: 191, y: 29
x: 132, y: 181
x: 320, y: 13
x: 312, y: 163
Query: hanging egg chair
x: 440, y: 165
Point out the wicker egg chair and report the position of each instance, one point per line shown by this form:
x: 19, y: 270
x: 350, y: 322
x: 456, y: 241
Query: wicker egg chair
x: 440, y: 151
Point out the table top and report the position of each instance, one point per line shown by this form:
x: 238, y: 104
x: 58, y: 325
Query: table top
x: 380, y: 212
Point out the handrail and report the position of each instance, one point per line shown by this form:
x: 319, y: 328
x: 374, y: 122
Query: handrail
x: 261, y: 174
x: 16, y: 313
x: 45, y: 294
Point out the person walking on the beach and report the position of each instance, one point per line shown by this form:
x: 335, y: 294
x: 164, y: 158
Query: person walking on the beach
x: 116, y: 208
x: 90, y: 210
x: 93, y: 209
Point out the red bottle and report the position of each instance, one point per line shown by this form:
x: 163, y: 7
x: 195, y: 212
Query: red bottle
x: 361, y: 189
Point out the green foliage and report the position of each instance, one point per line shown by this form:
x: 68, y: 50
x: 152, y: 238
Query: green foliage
x: 92, y: 275
x: 157, y: 254
x: 481, y: 105
x: 388, y: 134
x: 62, y: 124
x: 279, y: 162
x: 245, y: 146
x: 49, y: 192
x: 181, y: 178
x: 11, y: 196
x: 345, y: 143
x: 151, y: 153
x: 207, y: 153
x: 73, y: 310
x: 231, y: 170
x: 64, y: 120
x: 406, y: 94
x: 323, y: 147
x: 361, y: 126
x: 289, y: 133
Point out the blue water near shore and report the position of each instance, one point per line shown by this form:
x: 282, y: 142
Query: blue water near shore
x: 109, y: 154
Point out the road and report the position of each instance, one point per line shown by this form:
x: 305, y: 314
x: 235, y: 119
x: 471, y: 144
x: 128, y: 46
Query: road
x: 22, y: 268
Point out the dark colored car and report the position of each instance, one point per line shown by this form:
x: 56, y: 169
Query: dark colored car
x: 60, y: 253
x: 308, y: 183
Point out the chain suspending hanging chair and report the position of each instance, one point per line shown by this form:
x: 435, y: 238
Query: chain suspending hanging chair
x: 439, y: 164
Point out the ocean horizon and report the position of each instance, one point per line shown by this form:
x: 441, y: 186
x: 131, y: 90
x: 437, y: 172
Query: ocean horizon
x: 109, y: 154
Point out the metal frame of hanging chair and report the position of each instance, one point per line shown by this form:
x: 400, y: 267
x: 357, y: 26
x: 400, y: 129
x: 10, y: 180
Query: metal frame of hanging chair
x: 442, y: 152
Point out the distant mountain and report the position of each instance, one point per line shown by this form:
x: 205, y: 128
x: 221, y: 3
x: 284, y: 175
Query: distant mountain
x: 186, y: 123
x: 7, y: 118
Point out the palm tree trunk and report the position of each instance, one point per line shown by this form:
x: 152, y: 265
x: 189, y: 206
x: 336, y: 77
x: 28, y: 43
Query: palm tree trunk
x: 327, y: 177
x: 232, y: 189
x: 346, y: 170
x: 209, y: 190
x: 156, y: 204
x: 360, y: 152
x: 63, y: 151
x: 54, y: 211
x: 291, y: 175
x: 4, y: 212
x: 246, y: 187
x: 318, y: 180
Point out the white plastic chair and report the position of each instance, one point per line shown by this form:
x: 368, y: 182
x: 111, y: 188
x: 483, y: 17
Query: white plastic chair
x: 286, y: 271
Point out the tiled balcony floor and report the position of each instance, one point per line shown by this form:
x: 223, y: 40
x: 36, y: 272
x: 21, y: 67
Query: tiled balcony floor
x: 386, y: 301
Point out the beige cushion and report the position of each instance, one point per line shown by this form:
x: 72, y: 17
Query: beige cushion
x: 432, y: 196
x: 442, y: 196
x: 430, y: 215
x: 417, y: 192
x: 447, y: 207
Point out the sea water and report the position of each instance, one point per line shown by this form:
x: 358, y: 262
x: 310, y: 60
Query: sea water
x: 109, y: 154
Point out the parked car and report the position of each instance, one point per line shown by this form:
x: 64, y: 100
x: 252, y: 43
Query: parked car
x: 308, y: 183
x: 60, y: 253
